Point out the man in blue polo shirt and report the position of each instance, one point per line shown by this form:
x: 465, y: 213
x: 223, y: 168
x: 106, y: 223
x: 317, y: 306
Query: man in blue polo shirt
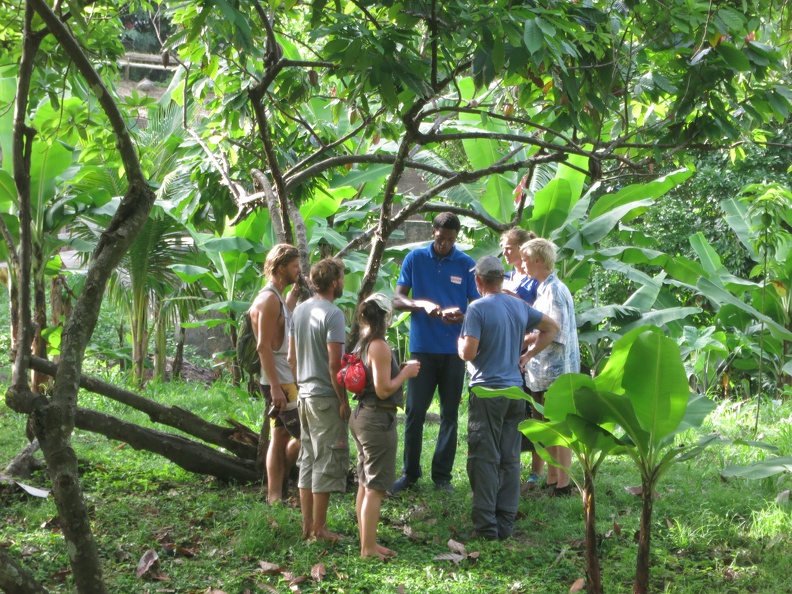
x: 442, y: 283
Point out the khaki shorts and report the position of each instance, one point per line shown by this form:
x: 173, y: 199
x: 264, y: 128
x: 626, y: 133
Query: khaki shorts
x: 289, y: 390
x: 324, y: 446
x: 374, y: 432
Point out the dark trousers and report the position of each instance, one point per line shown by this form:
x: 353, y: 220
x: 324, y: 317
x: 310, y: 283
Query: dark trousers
x: 493, y: 463
x: 446, y: 374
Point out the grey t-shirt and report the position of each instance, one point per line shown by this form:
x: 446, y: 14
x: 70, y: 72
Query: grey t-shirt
x: 315, y: 323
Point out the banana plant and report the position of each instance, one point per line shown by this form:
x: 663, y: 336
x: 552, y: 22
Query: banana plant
x: 636, y: 407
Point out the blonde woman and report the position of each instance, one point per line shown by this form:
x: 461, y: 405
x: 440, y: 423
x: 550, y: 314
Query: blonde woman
x: 563, y: 355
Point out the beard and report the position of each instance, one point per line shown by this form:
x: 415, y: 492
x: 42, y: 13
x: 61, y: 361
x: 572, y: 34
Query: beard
x: 338, y: 292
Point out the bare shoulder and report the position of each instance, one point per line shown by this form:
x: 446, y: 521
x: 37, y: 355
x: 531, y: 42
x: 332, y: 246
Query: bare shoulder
x: 266, y: 303
x: 379, y: 350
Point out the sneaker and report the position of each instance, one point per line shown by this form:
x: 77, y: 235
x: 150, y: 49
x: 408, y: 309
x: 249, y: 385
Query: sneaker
x: 444, y: 486
x: 531, y: 484
x: 402, y: 484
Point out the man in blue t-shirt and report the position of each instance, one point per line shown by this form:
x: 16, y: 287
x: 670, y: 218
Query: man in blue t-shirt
x: 491, y: 340
x: 441, y: 280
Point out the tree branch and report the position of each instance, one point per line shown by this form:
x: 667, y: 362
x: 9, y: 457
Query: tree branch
x: 380, y: 158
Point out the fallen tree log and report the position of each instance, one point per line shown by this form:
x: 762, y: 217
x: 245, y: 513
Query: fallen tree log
x: 15, y: 578
x: 238, y: 439
x: 23, y: 465
x: 190, y: 455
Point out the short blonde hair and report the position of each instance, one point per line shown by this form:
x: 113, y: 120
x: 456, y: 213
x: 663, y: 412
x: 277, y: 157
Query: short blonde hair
x: 540, y: 248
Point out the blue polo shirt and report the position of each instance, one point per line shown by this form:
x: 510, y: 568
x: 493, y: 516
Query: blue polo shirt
x: 449, y: 282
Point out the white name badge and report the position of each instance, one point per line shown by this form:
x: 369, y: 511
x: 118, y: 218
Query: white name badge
x: 457, y: 280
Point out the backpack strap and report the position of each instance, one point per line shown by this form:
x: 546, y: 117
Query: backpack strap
x: 272, y: 289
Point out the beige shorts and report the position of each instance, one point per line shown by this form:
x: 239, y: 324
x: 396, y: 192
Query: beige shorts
x: 324, y: 446
x: 374, y: 432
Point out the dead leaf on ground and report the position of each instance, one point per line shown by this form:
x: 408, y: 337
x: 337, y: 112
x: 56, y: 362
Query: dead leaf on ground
x: 339, y: 575
x: 578, y: 586
x: 185, y: 552
x: 457, y: 547
x: 61, y: 575
x: 669, y: 523
x: 148, y: 561
x: 730, y: 574
x: 318, y: 572
x: 274, y: 524
x: 638, y: 492
x: 616, y: 528
x: 400, y: 589
x: 294, y: 585
x: 160, y: 577
x: 455, y: 557
x: 268, y: 568
x: 561, y: 555
x: 410, y: 533
x: 269, y: 588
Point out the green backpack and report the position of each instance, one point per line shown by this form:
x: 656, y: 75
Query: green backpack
x: 247, y: 355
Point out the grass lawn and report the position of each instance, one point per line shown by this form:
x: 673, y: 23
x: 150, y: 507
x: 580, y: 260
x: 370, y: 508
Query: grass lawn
x: 709, y: 535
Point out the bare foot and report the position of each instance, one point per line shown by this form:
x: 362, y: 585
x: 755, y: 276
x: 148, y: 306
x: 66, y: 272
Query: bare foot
x: 386, y: 551
x: 306, y: 533
x: 326, y: 535
x: 374, y: 555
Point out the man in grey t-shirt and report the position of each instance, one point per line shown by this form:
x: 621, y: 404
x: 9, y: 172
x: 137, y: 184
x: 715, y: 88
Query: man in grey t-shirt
x: 316, y: 345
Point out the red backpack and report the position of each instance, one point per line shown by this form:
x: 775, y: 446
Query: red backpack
x: 352, y: 375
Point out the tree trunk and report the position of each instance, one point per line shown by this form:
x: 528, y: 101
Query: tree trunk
x: 178, y: 359
x: 641, y: 585
x: 15, y: 579
x: 140, y: 336
x: 160, y: 344
x: 593, y: 582
x: 238, y: 439
x: 122, y: 363
x: 60, y: 307
x: 40, y: 380
x: 236, y: 370
x: 192, y: 456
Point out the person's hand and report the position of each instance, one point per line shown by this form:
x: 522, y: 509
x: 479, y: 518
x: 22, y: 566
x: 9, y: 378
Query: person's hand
x: 411, y: 367
x: 524, y: 358
x: 344, y: 411
x: 279, y: 400
x: 432, y: 309
x: 453, y: 315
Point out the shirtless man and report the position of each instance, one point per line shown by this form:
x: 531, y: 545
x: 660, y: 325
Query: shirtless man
x: 270, y: 315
